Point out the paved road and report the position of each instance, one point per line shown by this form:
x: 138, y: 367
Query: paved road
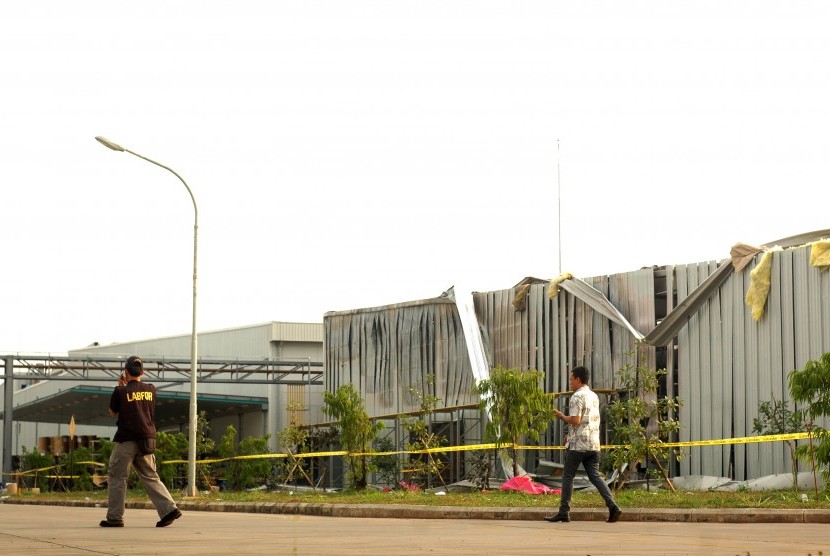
x: 72, y: 531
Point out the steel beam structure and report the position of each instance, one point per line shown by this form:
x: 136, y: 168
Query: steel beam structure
x: 38, y: 368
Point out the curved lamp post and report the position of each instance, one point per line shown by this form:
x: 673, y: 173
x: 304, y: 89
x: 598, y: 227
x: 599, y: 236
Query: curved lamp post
x: 191, y: 457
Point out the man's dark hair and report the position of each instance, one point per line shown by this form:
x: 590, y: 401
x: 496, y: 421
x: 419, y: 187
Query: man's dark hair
x: 134, y: 366
x: 581, y: 373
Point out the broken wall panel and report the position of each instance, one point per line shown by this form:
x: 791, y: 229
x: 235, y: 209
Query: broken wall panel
x: 724, y: 363
x: 389, y: 352
x: 568, y: 331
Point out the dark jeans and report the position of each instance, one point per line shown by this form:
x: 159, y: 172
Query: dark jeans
x: 590, y: 461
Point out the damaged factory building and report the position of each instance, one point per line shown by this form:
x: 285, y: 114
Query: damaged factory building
x: 728, y: 333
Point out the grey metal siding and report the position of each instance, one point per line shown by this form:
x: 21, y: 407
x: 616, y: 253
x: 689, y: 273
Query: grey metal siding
x: 728, y: 364
x: 389, y: 352
x: 259, y: 341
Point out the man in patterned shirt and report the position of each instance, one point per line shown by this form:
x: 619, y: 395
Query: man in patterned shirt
x: 582, y: 446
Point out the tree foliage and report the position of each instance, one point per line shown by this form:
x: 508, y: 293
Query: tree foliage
x: 639, y: 427
x: 205, y: 446
x: 170, y: 446
x: 294, y: 439
x: 35, y: 466
x: 775, y: 417
x: 424, y: 466
x: 387, y: 467
x: 357, y: 430
x: 517, y: 407
x: 811, y: 387
x: 244, y: 472
x: 78, y: 468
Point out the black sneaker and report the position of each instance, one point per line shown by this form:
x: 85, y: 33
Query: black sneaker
x: 108, y: 523
x: 614, y: 515
x: 557, y: 517
x: 169, y: 518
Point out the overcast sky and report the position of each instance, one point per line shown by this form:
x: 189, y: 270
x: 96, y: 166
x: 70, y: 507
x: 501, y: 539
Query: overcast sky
x: 348, y: 154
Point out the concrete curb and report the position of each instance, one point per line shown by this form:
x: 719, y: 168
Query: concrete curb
x: 403, y: 511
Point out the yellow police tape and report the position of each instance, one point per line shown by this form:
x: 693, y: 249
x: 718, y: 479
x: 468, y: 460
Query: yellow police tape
x: 444, y: 449
x: 34, y: 472
x: 491, y: 446
x: 691, y: 443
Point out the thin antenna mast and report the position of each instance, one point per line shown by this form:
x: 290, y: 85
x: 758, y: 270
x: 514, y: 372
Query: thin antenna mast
x: 559, y: 205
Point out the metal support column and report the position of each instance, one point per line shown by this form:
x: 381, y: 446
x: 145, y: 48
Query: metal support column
x: 8, y: 407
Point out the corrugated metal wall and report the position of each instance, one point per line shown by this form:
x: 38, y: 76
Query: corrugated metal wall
x: 296, y: 332
x: 387, y: 351
x: 555, y: 335
x: 728, y: 363
x: 259, y: 341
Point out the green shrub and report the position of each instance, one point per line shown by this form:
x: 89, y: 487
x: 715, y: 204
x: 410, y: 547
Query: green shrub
x: 246, y: 472
x: 171, y: 446
x: 357, y: 431
x: 36, y: 466
x: 78, y: 467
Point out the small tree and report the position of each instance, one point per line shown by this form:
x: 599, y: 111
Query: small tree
x: 387, y: 467
x: 78, y: 468
x: 774, y: 417
x: 293, y: 439
x: 811, y: 387
x: 205, y: 447
x: 169, y: 447
x: 244, y: 472
x: 517, y: 407
x: 632, y: 421
x: 481, y: 468
x: 34, y: 467
x: 320, y: 440
x: 357, y: 430
x: 421, y: 437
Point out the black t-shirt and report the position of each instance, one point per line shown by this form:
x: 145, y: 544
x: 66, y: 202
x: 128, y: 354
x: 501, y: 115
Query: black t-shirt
x: 135, y: 405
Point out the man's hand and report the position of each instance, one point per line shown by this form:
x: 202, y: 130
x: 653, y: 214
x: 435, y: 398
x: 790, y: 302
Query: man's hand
x: 122, y: 380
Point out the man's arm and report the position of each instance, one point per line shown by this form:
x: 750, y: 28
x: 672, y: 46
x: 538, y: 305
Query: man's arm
x: 568, y: 419
x: 122, y: 381
x: 576, y: 406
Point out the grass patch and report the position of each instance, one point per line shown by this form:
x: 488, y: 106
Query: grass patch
x: 496, y: 498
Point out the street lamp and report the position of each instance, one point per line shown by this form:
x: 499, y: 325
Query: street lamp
x: 191, y: 455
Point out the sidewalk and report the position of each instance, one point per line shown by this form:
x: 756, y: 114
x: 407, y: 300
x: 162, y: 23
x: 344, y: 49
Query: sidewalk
x: 45, y: 530
x: 401, y: 511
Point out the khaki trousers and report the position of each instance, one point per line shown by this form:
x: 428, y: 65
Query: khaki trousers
x: 125, y: 455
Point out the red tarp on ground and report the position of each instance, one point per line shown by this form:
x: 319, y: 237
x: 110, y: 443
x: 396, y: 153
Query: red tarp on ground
x: 525, y: 484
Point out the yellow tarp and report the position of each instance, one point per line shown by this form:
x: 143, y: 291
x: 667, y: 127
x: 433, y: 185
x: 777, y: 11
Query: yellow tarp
x: 553, y: 289
x: 759, y: 282
x: 820, y: 253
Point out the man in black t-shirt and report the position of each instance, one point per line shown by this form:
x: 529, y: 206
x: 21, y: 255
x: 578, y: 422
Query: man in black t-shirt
x: 134, y: 403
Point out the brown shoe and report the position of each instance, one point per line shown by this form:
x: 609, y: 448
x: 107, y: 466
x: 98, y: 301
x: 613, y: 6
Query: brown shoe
x: 108, y: 523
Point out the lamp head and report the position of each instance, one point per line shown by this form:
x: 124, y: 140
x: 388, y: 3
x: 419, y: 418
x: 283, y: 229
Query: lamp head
x: 109, y: 144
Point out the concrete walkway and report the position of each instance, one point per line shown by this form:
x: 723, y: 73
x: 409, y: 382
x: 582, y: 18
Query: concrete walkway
x: 73, y: 531
x: 402, y: 511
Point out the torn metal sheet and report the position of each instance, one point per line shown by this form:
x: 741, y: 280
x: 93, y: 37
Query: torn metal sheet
x: 598, y: 302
